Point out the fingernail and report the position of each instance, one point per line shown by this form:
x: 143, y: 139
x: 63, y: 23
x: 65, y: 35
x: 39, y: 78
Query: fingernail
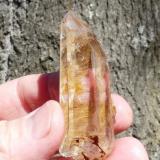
x: 53, y: 85
x: 41, y: 122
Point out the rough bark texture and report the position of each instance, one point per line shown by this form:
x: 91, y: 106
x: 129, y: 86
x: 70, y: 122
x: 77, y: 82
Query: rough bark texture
x: 129, y: 31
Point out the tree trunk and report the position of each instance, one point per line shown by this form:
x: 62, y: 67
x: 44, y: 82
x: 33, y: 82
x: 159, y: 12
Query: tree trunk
x: 129, y: 31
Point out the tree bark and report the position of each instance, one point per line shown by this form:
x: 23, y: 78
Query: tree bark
x: 129, y: 31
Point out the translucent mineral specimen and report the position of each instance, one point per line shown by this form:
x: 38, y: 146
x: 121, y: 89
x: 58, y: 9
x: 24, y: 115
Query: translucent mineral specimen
x: 84, y: 93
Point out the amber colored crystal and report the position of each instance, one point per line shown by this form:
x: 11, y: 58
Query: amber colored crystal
x: 84, y: 92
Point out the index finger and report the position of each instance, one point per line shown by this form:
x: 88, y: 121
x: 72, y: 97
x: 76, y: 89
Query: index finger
x: 23, y: 95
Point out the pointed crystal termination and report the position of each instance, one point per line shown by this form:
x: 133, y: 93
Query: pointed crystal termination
x: 84, y: 93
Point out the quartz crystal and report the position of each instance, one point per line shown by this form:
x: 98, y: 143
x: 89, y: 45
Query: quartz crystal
x: 84, y: 92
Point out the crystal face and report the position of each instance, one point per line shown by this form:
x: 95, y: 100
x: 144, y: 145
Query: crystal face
x: 84, y: 92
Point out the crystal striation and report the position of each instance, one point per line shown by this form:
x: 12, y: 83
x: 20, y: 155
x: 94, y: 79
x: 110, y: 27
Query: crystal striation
x: 84, y: 92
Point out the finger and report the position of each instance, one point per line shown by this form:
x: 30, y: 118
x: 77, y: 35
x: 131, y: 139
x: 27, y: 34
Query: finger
x: 33, y: 90
x: 124, y: 114
x: 128, y: 148
x: 25, y: 94
x: 20, y: 96
x: 35, y: 136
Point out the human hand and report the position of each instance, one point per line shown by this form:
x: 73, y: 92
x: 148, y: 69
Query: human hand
x: 32, y: 127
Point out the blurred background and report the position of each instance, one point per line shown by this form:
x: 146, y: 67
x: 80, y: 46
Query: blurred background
x: 129, y: 31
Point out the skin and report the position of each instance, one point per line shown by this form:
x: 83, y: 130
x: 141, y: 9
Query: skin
x: 32, y: 125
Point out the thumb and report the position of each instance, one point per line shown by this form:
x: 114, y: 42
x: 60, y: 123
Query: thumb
x: 35, y: 136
